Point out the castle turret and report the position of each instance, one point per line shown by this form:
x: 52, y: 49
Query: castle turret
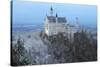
x: 77, y: 21
x: 56, y: 15
x: 77, y: 24
x: 51, y: 11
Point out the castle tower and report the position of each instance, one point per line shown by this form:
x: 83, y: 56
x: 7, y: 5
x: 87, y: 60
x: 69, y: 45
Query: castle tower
x: 77, y: 23
x: 51, y: 11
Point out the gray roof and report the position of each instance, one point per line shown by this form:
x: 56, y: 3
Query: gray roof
x: 59, y: 19
x: 51, y: 18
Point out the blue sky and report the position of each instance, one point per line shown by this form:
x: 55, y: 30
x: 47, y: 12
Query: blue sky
x: 29, y: 12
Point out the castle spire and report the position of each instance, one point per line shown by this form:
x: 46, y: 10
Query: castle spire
x: 56, y: 15
x: 51, y: 11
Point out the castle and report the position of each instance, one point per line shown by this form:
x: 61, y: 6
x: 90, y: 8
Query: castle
x: 55, y: 24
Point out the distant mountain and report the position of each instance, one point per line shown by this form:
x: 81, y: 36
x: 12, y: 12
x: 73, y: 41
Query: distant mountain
x: 25, y: 27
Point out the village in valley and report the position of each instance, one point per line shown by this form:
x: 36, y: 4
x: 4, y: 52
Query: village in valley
x: 58, y: 42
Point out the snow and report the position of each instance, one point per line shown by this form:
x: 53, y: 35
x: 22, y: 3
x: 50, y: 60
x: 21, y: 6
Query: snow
x: 33, y: 43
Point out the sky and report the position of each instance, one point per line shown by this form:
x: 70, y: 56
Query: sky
x: 29, y: 12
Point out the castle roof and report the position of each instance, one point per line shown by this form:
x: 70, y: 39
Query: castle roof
x: 52, y: 19
x: 61, y: 19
